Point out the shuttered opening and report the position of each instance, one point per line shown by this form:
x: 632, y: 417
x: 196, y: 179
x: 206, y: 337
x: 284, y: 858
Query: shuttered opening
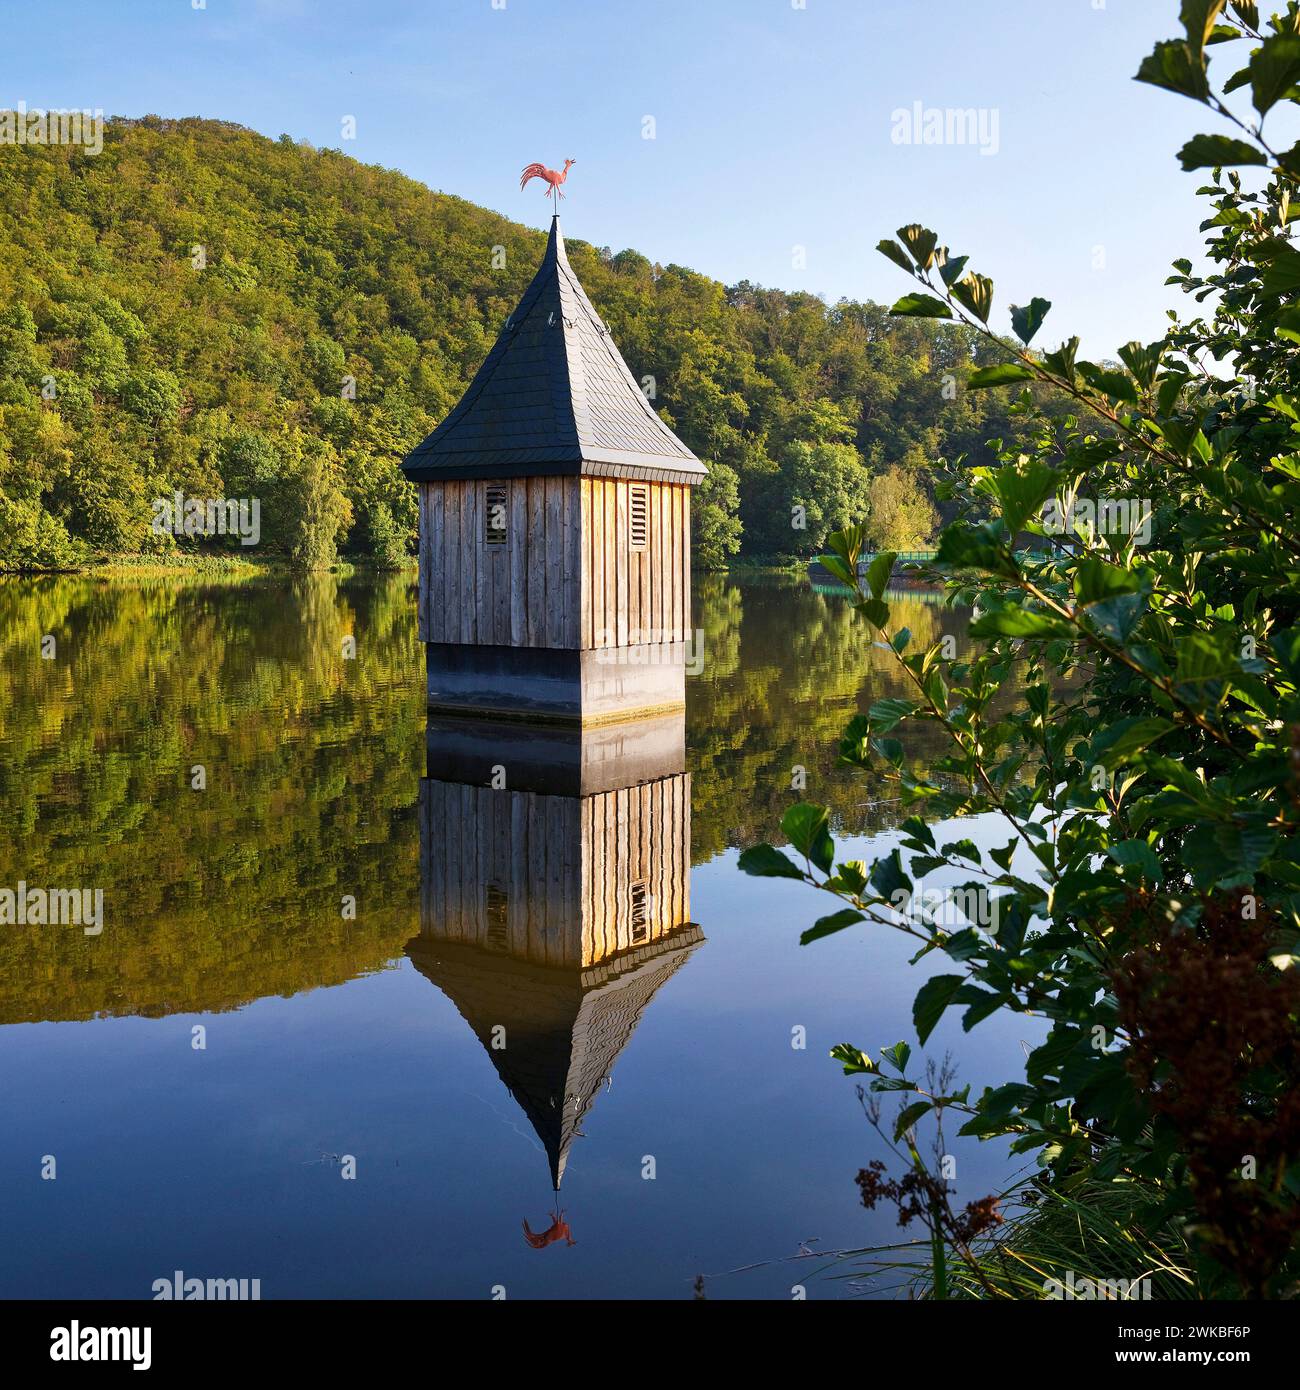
x: 640, y: 515
x: 496, y: 518
x: 498, y: 931
x: 640, y: 913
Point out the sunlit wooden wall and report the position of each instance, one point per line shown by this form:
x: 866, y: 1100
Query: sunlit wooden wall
x: 555, y: 880
x: 566, y: 575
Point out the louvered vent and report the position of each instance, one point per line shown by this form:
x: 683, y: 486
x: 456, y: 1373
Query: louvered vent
x: 640, y: 516
x: 496, y: 520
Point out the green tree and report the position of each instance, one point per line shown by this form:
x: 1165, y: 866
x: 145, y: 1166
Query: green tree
x: 715, y: 518
x: 901, y: 515
x: 822, y: 487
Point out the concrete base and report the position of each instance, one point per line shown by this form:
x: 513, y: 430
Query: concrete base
x: 572, y: 688
x: 554, y: 760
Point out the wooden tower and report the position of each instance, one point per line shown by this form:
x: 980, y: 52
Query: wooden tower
x: 551, y: 914
x: 555, y: 523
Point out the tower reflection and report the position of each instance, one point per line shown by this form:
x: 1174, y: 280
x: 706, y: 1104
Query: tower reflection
x: 555, y: 900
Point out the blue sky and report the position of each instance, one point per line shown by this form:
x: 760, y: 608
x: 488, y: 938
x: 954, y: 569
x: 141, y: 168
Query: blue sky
x: 774, y: 124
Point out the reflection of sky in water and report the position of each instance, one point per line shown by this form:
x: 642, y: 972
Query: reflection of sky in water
x: 221, y: 1162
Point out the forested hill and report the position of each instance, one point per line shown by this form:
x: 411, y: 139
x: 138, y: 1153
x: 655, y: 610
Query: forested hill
x: 202, y: 308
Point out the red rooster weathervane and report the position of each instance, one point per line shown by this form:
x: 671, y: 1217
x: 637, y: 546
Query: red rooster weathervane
x: 552, y: 177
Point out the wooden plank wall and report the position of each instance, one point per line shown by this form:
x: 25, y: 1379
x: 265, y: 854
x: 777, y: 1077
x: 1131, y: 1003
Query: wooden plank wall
x: 567, y: 576
x: 565, y: 864
x: 525, y: 593
x: 631, y: 596
x: 633, y: 834
x: 526, y: 844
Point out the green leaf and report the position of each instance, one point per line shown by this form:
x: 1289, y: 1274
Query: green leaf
x: 855, y: 1060
x: 1282, y: 275
x: 1136, y: 854
x: 1128, y: 736
x: 847, y: 544
x: 888, y: 877
x: 1001, y: 374
x: 950, y: 270
x: 1206, y: 665
x: 1061, y: 362
x: 921, y: 306
x: 763, y: 861
x: 1021, y: 489
x: 1212, y: 852
x: 879, y: 572
x: 1020, y: 622
x: 981, y: 1008
x: 889, y: 712
x: 1003, y: 857
x: 874, y: 611
x: 890, y: 749
x: 932, y: 999
x: 1274, y: 70
x: 975, y: 292
x: 1248, y: 12
x: 1119, y: 386
x: 1028, y: 319
x: 1288, y: 325
x: 805, y: 826
x: 1173, y: 65
x: 895, y: 253
x: 963, y: 546
x: 1285, y: 644
x: 920, y: 241
x: 840, y: 569
x: 908, y: 1116
x: 897, y: 1057
x: 1219, y: 152
x: 1095, y: 580
x: 1143, y: 362
x: 1198, y: 17
x: 828, y: 926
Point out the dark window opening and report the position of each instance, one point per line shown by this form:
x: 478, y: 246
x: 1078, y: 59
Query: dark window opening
x: 498, y: 931
x: 640, y: 914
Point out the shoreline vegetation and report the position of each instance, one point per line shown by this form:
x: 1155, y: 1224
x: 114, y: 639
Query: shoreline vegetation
x: 203, y: 562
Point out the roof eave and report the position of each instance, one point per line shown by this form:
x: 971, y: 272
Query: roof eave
x: 605, y: 463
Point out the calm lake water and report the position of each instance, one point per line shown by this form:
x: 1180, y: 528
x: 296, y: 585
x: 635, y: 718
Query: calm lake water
x: 338, y: 1043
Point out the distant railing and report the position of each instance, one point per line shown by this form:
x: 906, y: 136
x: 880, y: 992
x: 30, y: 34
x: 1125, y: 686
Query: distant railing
x: 926, y: 557
x: 902, y: 557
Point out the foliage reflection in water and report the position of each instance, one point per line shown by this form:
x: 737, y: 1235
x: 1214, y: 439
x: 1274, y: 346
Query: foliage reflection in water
x: 209, y: 754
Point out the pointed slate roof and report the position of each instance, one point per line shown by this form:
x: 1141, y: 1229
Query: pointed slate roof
x: 553, y: 397
x: 564, y: 1029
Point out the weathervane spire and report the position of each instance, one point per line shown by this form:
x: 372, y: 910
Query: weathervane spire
x: 552, y: 177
